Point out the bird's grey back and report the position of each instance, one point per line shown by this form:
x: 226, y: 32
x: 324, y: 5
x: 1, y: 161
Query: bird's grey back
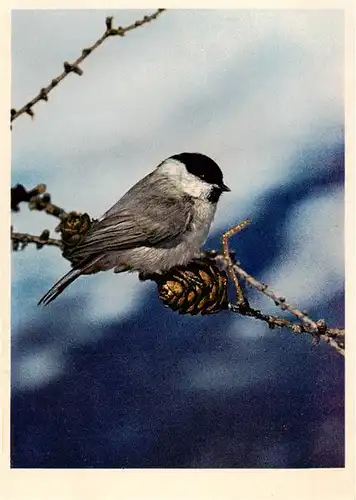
x: 150, y: 214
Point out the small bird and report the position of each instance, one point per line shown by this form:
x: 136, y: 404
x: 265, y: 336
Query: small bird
x: 160, y: 223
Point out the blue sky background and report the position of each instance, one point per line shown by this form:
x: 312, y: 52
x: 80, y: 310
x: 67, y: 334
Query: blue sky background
x: 105, y: 376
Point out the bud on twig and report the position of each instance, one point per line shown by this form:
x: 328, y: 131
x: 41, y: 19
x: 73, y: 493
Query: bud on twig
x: 72, y: 67
x: 29, y: 111
x: 43, y: 95
x: 108, y: 22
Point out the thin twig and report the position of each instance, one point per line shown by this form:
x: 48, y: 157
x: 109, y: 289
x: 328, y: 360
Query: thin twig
x: 74, y: 67
x: 240, y: 298
x: 43, y: 203
x: 336, y: 338
x: 333, y: 336
x: 278, y: 300
x: 20, y: 194
x: 37, y: 199
x: 21, y: 240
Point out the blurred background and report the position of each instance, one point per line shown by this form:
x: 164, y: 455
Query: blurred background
x: 106, y: 376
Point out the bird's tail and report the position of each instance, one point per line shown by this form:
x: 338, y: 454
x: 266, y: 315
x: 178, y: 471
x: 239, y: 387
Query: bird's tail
x: 65, y: 281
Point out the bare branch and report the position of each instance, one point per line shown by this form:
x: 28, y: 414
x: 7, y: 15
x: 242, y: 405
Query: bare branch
x: 21, y: 240
x: 20, y: 194
x: 43, y: 203
x: 262, y: 287
x: 74, y: 67
x: 240, y: 298
x: 37, y: 199
x: 278, y: 300
x: 334, y: 336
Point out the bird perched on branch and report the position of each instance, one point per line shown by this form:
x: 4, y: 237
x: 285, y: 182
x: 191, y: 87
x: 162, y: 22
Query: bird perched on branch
x: 160, y: 223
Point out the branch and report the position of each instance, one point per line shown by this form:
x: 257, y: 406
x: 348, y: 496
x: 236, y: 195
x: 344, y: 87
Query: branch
x: 278, y: 300
x: 74, y: 67
x: 318, y: 329
x: 37, y: 199
x: 72, y: 226
x: 333, y: 336
x: 20, y: 194
x: 21, y: 240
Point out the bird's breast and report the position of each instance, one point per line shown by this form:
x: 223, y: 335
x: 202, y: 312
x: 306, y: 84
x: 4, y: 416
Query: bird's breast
x: 179, y: 252
x: 202, y: 217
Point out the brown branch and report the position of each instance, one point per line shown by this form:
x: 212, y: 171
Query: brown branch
x: 43, y: 203
x: 74, y: 67
x: 21, y: 240
x: 333, y: 336
x: 20, y: 194
x: 240, y: 298
x: 278, y: 300
x: 37, y: 199
x: 72, y: 225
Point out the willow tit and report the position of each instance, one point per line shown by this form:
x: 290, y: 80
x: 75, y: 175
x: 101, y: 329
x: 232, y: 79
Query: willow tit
x: 160, y: 223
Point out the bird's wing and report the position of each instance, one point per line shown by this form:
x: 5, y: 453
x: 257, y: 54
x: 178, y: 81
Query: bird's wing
x: 157, y: 222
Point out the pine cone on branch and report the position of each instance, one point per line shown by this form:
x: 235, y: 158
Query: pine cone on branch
x: 198, y: 288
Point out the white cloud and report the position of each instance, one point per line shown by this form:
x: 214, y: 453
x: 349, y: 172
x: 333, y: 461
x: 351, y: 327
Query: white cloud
x: 37, y: 368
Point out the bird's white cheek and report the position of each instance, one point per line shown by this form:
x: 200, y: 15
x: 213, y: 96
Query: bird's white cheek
x: 190, y: 184
x: 195, y: 188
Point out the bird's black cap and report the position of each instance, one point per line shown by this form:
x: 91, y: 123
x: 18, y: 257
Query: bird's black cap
x: 203, y: 167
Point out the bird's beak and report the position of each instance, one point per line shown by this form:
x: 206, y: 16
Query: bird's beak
x: 225, y: 188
